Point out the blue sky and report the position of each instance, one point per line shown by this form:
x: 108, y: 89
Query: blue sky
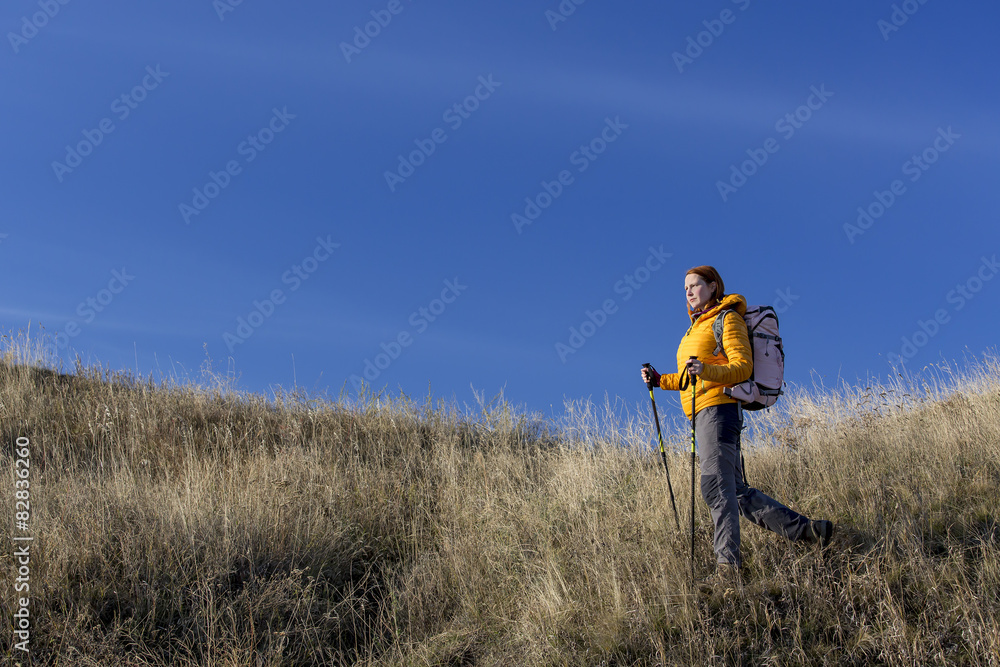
x: 171, y: 168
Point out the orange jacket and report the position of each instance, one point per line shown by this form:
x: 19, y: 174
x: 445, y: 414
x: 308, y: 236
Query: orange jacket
x: 733, y: 365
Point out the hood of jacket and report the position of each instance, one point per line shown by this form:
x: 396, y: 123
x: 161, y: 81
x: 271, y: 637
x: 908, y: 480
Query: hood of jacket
x: 729, y: 302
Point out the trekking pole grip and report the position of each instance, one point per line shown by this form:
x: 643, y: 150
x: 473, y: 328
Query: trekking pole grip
x: 649, y: 382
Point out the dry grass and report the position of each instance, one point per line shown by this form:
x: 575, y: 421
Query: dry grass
x: 179, y: 524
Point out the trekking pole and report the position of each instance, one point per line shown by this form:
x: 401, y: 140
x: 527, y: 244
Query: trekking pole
x: 685, y: 380
x: 663, y: 453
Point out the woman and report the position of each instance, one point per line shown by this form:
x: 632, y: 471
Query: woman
x: 720, y: 420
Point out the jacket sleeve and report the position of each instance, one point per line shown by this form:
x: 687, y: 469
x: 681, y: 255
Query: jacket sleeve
x: 670, y: 381
x: 736, y: 347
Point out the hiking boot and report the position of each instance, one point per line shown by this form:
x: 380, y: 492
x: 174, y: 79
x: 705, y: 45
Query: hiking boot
x: 819, y: 532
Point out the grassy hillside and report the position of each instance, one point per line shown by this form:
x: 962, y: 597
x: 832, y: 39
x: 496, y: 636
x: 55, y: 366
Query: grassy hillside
x: 180, y: 524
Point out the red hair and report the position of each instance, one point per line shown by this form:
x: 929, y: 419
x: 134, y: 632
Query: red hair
x: 710, y: 275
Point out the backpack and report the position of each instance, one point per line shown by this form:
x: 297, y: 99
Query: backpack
x: 764, y: 386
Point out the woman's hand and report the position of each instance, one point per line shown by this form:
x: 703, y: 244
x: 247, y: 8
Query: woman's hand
x: 650, y: 375
x: 694, y: 367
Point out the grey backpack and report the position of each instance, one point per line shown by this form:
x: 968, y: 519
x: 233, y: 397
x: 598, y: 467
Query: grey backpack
x: 764, y: 386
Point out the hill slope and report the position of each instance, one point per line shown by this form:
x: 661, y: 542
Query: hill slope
x: 186, y: 525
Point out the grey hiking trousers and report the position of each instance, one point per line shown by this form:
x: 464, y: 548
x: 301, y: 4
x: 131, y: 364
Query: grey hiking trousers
x: 717, y: 429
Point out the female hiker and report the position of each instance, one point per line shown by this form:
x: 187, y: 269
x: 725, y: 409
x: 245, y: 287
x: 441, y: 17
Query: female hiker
x: 720, y: 420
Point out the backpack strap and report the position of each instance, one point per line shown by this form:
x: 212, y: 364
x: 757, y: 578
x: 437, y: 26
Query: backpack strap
x: 717, y: 327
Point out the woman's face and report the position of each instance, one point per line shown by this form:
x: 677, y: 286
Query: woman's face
x: 697, y: 291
